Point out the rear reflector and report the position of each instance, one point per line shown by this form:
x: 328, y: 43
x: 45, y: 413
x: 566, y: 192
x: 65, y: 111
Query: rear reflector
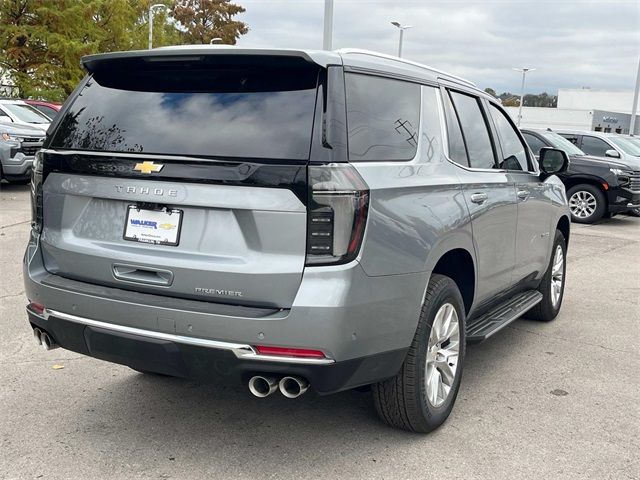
x: 36, y: 308
x: 289, y: 352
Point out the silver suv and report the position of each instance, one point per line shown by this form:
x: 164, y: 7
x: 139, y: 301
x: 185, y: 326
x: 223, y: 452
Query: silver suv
x: 293, y: 219
x: 18, y: 146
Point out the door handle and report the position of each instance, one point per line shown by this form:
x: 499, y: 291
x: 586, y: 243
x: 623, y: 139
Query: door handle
x: 523, y: 194
x: 479, y: 197
x: 149, y: 276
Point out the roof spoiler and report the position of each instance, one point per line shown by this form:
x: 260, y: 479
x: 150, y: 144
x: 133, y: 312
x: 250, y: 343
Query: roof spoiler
x: 93, y: 63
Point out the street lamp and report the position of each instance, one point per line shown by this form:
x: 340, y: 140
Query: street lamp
x: 524, y: 73
x: 634, y: 105
x: 157, y: 6
x: 327, y: 37
x: 402, y: 29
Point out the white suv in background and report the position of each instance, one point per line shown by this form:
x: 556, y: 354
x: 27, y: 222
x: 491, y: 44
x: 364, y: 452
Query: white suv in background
x: 19, y: 113
x: 609, y: 145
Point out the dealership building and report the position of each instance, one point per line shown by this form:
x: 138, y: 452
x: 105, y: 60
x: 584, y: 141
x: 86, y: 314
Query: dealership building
x: 582, y: 109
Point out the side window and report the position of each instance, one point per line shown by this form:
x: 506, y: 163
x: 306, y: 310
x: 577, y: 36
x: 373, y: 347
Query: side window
x: 514, y: 153
x: 383, y: 117
x: 572, y: 138
x: 48, y: 111
x: 474, y: 129
x: 534, y: 142
x: 594, y: 146
x: 457, y: 150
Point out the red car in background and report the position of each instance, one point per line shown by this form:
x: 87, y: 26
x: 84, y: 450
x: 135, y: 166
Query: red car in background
x: 48, y: 108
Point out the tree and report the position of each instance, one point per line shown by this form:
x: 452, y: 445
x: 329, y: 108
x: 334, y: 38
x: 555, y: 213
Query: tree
x: 491, y: 91
x: 204, y: 20
x: 42, y: 41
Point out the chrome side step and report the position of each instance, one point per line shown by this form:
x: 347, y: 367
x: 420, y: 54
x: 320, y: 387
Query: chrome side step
x: 483, y: 327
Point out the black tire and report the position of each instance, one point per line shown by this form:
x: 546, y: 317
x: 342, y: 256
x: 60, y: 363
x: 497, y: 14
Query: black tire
x: 22, y: 181
x: 635, y: 212
x: 588, y: 190
x: 545, y: 311
x: 402, y: 401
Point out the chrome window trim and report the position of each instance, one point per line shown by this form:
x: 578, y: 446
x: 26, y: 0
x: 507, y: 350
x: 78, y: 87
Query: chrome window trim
x: 241, y: 351
x: 445, y: 142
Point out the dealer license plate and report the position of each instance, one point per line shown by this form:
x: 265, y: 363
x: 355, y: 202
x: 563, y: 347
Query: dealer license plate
x: 160, y: 227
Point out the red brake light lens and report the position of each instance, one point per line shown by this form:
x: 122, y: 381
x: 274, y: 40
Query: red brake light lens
x: 337, y: 214
x: 289, y: 352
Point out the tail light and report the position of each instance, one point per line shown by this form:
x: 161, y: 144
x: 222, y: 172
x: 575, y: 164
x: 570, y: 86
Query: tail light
x: 36, y: 193
x: 337, y: 214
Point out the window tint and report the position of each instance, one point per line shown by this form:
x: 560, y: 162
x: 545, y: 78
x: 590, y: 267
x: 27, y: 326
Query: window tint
x: 48, y: 111
x: 514, y: 154
x: 594, y: 146
x: 225, y: 110
x: 457, y: 150
x: 534, y: 142
x: 474, y: 128
x: 382, y: 117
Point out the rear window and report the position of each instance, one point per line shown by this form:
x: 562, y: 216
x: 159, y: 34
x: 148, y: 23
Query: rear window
x: 227, y: 111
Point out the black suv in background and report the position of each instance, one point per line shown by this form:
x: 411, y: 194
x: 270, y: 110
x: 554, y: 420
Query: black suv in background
x: 596, y: 186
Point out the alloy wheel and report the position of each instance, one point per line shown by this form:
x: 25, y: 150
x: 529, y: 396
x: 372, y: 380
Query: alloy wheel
x: 582, y: 204
x: 557, y: 276
x: 442, y: 355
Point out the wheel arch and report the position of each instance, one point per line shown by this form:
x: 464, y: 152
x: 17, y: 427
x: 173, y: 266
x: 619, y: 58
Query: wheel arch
x: 458, y: 264
x: 574, y: 181
x: 564, y: 225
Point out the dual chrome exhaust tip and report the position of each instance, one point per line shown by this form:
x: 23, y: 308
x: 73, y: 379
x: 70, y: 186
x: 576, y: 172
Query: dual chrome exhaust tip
x: 44, y: 339
x: 264, y: 385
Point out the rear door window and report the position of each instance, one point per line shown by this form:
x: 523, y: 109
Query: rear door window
x: 514, y: 152
x: 383, y: 117
x: 475, y: 130
x: 457, y: 150
x: 230, y: 110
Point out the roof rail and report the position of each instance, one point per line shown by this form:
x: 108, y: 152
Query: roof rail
x: 347, y: 51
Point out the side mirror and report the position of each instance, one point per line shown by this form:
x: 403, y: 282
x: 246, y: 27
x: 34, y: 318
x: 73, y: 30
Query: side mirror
x: 612, y: 153
x: 553, y: 160
x: 7, y: 119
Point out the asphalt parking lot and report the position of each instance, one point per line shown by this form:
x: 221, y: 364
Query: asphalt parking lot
x: 558, y: 400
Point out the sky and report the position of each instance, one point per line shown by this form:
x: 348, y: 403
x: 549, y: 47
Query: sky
x: 570, y: 43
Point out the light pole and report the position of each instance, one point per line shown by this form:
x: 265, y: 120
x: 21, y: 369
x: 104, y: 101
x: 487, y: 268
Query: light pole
x: 328, y: 25
x: 402, y: 29
x: 157, y: 6
x: 634, y: 105
x: 524, y: 73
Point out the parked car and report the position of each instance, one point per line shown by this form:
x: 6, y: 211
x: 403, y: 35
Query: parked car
x: 596, y: 186
x: 605, y: 145
x: 18, y: 112
x: 18, y: 146
x: 635, y: 139
x: 50, y: 109
x: 212, y: 216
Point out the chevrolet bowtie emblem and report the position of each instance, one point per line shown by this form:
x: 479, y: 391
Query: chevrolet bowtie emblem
x: 148, y: 167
